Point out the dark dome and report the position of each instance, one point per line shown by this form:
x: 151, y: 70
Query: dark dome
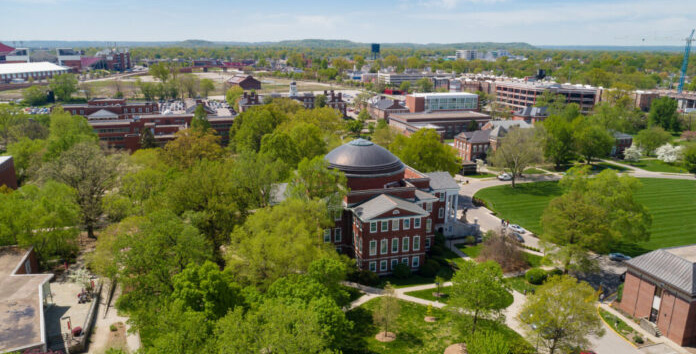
x: 362, y: 157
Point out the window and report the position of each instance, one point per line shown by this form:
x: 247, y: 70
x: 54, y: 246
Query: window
x: 441, y: 213
x: 383, y: 247
x: 337, y: 234
x: 395, y: 225
x: 428, y: 225
x: 373, y: 227
x: 385, y: 226
x: 404, y: 260
x: 407, y: 224
x: 338, y: 214
x: 428, y: 206
x: 395, y: 245
x: 427, y: 243
x: 394, y: 262
x: 415, y: 262
x: 383, y: 265
x: 405, y: 245
x: 416, y: 223
x: 416, y: 243
x: 373, y: 247
x: 442, y: 197
x: 373, y: 266
x: 327, y: 235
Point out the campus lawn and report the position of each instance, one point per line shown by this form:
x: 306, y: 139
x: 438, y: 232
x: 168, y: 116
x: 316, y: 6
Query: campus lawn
x: 471, y: 251
x: 427, y: 294
x: 670, y: 202
x: 520, y: 284
x: 445, y: 272
x: 533, y: 171
x: 480, y: 175
x: 600, y: 166
x: 655, y: 165
x: 413, y: 334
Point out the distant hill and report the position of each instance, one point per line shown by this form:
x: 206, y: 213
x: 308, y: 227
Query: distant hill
x: 632, y: 48
x: 303, y: 43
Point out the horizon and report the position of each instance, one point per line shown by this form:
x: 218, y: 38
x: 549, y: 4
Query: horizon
x: 536, y: 22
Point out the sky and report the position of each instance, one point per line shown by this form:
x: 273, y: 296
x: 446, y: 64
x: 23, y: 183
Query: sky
x: 538, y: 22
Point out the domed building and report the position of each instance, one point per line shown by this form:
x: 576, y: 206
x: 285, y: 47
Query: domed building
x: 392, y: 211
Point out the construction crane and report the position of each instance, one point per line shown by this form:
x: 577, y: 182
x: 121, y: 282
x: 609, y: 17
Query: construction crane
x: 685, y: 63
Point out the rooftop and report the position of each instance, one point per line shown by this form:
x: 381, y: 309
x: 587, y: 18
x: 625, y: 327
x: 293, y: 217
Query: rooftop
x: 444, y: 94
x: 17, y: 68
x: 4, y: 159
x: 363, y: 158
x: 439, y: 115
x: 442, y: 180
x: 382, y: 204
x: 675, y: 266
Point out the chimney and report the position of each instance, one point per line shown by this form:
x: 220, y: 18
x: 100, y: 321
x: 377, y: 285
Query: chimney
x: 339, y: 96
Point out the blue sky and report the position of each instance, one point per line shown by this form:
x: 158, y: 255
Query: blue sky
x: 539, y: 22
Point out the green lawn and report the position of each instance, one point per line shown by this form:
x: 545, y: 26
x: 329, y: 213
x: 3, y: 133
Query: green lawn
x: 413, y: 334
x: 619, y: 326
x: 417, y: 279
x: 520, y: 284
x: 427, y: 294
x: 658, y: 166
x: 471, y: 251
x: 533, y: 171
x: 672, y: 204
x: 480, y: 175
x: 600, y: 166
x: 533, y: 259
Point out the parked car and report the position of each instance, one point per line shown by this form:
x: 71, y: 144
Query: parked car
x: 618, y: 257
x: 504, y: 177
x: 518, y: 237
x: 517, y: 228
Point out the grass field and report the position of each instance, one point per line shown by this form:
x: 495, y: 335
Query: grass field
x: 480, y: 175
x: 427, y: 294
x: 413, y: 334
x: 672, y: 204
x: 658, y: 166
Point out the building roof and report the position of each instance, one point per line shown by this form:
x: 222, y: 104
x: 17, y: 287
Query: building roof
x: 5, y: 48
x: 675, y: 266
x: 532, y: 112
x: 620, y: 135
x: 444, y: 94
x: 103, y: 114
x: 449, y: 115
x: 384, y: 203
x: 476, y: 136
x: 386, y: 103
x: 442, y: 180
x: 239, y: 78
x: 5, y: 159
x: 424, y: 196
x: 18, y: 68
x: 363, y: 158
x: 21, y: 302
x: 508, y: 123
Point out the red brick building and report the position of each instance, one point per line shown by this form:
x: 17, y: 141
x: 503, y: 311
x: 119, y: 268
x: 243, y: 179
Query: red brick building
x: 382, y: 107
x: 335, y: 101
x: 245, y: 82
x: 392, y: 211
x: 448, y: 124
x: 112, y: 108
x: 8, y: 176
x: 473, y: 145
x: 660, y: 289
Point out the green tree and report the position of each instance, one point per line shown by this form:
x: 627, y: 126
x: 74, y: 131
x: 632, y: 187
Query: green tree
x: 652, y: 138
x: 200, y: 122
x: 27, y: 155
x: 147, y: 139
x: 91, y: 173
x: 424, y: 152
x: 663, y: 113
x: 250, y: 127
x: 9, y: 118
x: 66, y: 131
x: 554, y: 103
x: 35, y: 96
x: 148, y: 89
x: 320, y: 101
x: 363, y: 116
x: 205, y: 288
x: 354, y: 126
x: 488, y: 342
x: 63, y: 86
x: 557, y: 135
x: 516, y: 151
x: 161, y: 71
x: 359, y: 61
x: 592, y: 140
x: 479, y: 289
x: 280, y: 146
x: 314, y: 180
x: 387, y: 311
x: 206, y: 86
x: 424, y: 85
x: 308, y: 140
x: 232, y: 96
x: 392, y: 60
x: 384, y: 135
x: 563, y: 314
x: 405, y: 86
x: 689, y: 156
x: 191, y: 146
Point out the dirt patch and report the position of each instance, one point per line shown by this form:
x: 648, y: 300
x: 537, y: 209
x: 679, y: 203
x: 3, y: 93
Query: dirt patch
x: 117, y: 337
x: 385, y: 337
x: 459, y: 348
x: 430, y: 319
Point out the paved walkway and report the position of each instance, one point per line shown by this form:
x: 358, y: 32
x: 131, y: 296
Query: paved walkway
x: 100, y: 336
x: 641, y: 173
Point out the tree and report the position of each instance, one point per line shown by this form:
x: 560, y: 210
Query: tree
x: 633, y: 153
x: 148, y: 89
x: 27, y: 155
x: 424, y: 85
x: 504, y: 251
x: 205, y: 288
x: 91, y: 173
x: 35, y: 96
x: 424, y: 152
x: 314, y: 180
x: 66, y: 131
x: 363, y: 116
x: 690, y: 158
x: 9, y: 118
x: 480, y: 289
x: 232, y: 96
x: 592, y: 141
x: 147, y: 139
x: 354, y: 126
x: 384, y: 135
x: 593, y: 214
x: 652, y: 138
x: 63, y: 86
x: 320, y: 101
x: 161, y: 71
x: 249, y: 127
x: 200, y: 122
x: 387, y: 310
x: 277, y: 241
x: 669, y: 153
x: 191, y: 146
x: 392, y: 60
x: 405, y: 86
x: 206, y: 85
x: 359, y: 61
x: 562, y: 314
x: 554, y: 103
x: 516, y: 151
x: 663, y: 113
x: 557, y: 135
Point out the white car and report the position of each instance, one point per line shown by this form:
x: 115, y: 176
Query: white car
x: 504, y: 177
x: 517, y: 228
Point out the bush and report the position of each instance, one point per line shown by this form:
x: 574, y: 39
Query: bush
x: 113, y: 328
x: 401, y: 271
x: 430, y: 268
x: 553, y: 272
x: 619, y: 293
x: 638, y: 339
x: 35, y: 96
x: 535, y: 276
x: 364, y: 277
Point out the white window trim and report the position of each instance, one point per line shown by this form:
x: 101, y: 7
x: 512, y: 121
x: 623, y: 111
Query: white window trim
x: 441, y: 213
x: 394, y: 262
x: 416, y: 243
x: 383, y: 265
x: 373, y: 250
x: 428, y: 225
x: 395, y: 224
x: 442, y: 196
x: 384, y: 246
x: 395, y: 243
x: 405, y: 244
x: 373, y: 227
x: 429, y: 207
x: 415, y: 262
x: 382, y: 228
x: 417, y: 223
x: 338, y: 234
x: 327, y: 235
x: 405, y: 260
x: 407, y: 223
x: 373, y: 266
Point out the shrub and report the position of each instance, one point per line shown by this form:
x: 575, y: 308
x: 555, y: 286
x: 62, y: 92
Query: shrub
x: 638, y: 339
x: 504, y: 251
x: 619, y: 293
x: 364, y: 277
x: 401, y: 271
x: 555, y: 271
x: 535, y: 276
x: 113, y: 328
x: 430, y: 268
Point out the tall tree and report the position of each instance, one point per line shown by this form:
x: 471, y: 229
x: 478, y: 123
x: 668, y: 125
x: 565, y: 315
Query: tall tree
x: 63, y: 86
x: 191, y: 146
x: 591, y: 140
x: 652, y: 138
x: 320, y: 101
x: 66, y: 131
x: 387, y: 311
x: 10, y: 117
x: 516, y: 151
x: 562, y: 314
x: 91, y: 173
x: 147, y: 139
x: 314, y: 180
x: 206, y: 86
x: 425, y: 85
x: 232, y: 96
x: 690, y: 157
x: 424, y: 152
x: 200, y: 122
x: 479, y: 288
x: 663, y: 113
x: 557, y: 135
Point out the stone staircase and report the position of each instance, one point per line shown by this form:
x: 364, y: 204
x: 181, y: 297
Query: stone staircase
x: 650, y: 327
